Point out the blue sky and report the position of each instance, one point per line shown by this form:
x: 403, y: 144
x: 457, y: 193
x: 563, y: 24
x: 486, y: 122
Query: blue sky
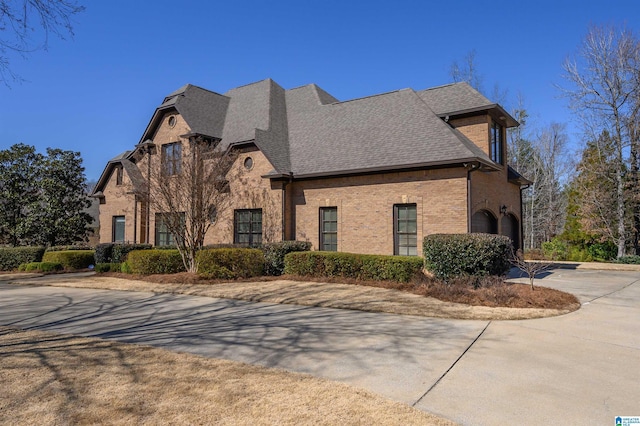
x: 96, y: 93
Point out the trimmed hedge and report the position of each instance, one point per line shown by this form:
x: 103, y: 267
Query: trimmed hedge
x: 116, y: 252
x: 450, y: 255
x: 351, y: 265
x: 274, y: 254
x: 67, y: 248
x: 41, y: 267
x: 229, y: 263
x: 71, y: 259
x: 12, y: 257
x: 153, y: 261
x: 108, y: 267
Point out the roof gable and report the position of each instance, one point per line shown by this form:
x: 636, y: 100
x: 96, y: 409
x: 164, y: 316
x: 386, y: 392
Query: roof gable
x: 461, y: 98
x: 204, y: 111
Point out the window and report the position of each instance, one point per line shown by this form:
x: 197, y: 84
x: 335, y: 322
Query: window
x: 248, y: 227
x: 118, y: 229
x: 496, y: 143
x: 248, y: 163
x: 164, y: 236
x: 119, y: 175
x: 405, y: 220
x: 171, y: 158
x: 329, y: 228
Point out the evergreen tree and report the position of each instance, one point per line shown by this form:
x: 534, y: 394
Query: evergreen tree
x: 42, y: 198
x: 58, y: 216
x: 18, y: 189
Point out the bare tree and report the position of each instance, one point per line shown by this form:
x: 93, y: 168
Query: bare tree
x: 604, y: 83
x: 20, y: 20
x: 541, y: 158
x: 189, y: 191
x: 467, y: 71
x: 531, y: 268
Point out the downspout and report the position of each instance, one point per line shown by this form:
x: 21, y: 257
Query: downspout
x: 522, y: 188
x: 148, y: 201
x: 284, y: 207
x: 470, y: 168
x: 135, y: 219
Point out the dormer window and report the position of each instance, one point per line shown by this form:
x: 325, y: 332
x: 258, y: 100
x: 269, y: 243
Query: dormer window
x: 496, y: 144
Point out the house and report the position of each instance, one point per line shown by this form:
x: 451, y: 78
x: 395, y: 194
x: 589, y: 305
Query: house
x: 368, y: 175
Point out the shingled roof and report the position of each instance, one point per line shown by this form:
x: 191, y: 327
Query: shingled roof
x: 205, y: 111
x: 307, y: 132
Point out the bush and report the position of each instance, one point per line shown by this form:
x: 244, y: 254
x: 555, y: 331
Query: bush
x: 41, y: 267
x: 274, y: 254
x: 12, y: 257
x: 229, y: 263
x: 104, y: 253
x: 154, y: 261
x: 125, y: 268
x: 121, y: 251
x: 452, y: 255
x: 555, y: 249
x: 116, y: 252
x: 577, y: 254
x: 67, y: 248
x: 71, y: 259
x: 603, y: 251
x: 108, y: 267
x: 629, y: 260
x: 350, y: 265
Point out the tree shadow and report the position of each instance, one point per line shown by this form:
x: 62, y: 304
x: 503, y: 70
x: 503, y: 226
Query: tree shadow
x: 396, y: 356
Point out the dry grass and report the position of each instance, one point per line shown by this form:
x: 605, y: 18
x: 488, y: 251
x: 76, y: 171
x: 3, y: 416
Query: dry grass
x: 55, y: 379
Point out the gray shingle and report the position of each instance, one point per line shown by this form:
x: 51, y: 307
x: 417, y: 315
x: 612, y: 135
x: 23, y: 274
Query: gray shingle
x: 203, y: 110
x: 248, y: 110
x: 392, y: 130
x: 454, y: 97
x: 306, y: 131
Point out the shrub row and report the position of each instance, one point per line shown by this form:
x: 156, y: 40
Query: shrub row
x: 12, y: 257
x: 351, y: 265
x: 153, y: 261
x: 41, y: 267
x: 274, y: 254
x: 451, y: 255
x: 71, y: 259
x: 67, y: 248
x: 116, y: 252
x: 229, y: 263
x: 108, y: 267
x: 630, y: 260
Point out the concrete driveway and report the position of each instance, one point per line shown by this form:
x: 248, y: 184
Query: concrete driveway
x: 581, y: 368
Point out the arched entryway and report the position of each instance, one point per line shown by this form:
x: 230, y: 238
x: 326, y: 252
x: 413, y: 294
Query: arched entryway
x: 510, y: 227
x: 485, y: 222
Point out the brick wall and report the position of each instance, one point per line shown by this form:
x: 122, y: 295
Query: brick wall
x: 475, y: 128
x: 365, y: 206
x: 117, y: 203
x: 248, y: 190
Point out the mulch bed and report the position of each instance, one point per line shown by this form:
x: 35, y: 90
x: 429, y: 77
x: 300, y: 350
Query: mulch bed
x: 490, y: 292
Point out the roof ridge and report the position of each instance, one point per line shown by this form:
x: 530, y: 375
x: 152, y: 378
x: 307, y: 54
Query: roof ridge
x: 251, y: 84
x: 371, y: 96
x: 205, y: 89
x: 445, y: 85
